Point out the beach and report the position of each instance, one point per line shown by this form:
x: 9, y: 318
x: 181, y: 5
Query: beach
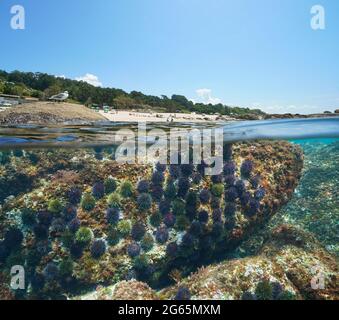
x: 134, y: 116
x: 51, y: 112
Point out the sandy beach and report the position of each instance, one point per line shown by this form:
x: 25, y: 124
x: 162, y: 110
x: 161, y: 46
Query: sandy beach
x: 50, y: 112
x: 133, y: 116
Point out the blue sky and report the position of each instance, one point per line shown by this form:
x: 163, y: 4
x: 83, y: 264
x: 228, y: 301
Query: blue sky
x: 242, y: 52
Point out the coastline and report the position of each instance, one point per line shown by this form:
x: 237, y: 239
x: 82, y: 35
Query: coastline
x: 135, y: 116
x: 58, y: 113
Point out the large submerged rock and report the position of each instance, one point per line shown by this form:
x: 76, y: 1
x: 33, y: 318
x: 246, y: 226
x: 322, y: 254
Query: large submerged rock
x: 291, y: 265
x: 292, y: 258
x: 86, y: 220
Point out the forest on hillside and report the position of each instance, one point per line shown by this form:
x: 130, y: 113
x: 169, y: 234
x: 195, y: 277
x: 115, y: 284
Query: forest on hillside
x: 42, y: 86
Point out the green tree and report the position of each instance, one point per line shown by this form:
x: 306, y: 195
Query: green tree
x: 124, y: 102
x: 52, y: 90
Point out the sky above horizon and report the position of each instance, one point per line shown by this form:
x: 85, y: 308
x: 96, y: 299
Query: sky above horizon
x: 257, y: 54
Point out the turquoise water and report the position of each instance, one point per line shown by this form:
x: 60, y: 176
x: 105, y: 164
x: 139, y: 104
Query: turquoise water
x: 75, y: 219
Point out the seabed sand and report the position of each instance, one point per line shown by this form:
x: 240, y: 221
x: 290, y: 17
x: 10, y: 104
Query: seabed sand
x: 133, y: 116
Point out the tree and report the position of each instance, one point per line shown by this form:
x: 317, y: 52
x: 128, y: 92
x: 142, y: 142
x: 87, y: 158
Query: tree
x: 89, y: 102
x: 52, y: 90
x: 43, y: 85
x: 124, y: 102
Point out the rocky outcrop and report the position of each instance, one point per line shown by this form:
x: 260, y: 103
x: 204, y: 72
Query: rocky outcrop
x: 290, y: 257
x: 173, y: 222
x: 291, y: 265
x: 48, y: 113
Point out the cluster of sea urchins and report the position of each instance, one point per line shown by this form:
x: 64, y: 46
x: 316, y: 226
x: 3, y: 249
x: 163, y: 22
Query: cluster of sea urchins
x: 186, y: 213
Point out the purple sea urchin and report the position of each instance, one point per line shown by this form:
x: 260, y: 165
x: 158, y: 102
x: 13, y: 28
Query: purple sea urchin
x: 174, y: 171
x: 98, y: 190
x: 196, y: 228
x: 74, y: 195
x: 230, y: 209
x: 45, y: 218
x: 161, y: 235
x: 133, y: 250
x: 205, y: 196
x: 138, y: 231
x: 70, y: 212
x: 203, y: 216
x: 217, y: 215
x: 157, y: 192
x: 143, y: 186
x: 183, y: 293
x: 186, y: 169
x: 74, y: 225
x: 253, y: 207
x: 164, y: 206
x: 40, y: 231
x: 183, y: 187
x: 231, y: 194
x: 229, y: 168
x: 246, y: 168
x: 169, y: 220
x: 113, y: 215
x: 158, y: 178
x: 51, y: 272
x: 196, y: 178
x: 229, y: 180
x: 260, y: 193
x: 172, y: 249
x: 161, y: 167
x: 240, y: 186
x: 76, y: 250
x: 13, y: 238
x: 98, y: 248
x: 217, y: 178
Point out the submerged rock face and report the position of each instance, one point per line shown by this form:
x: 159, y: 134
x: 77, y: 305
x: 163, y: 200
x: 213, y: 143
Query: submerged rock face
x: 290, y: 257
x: 88, y: 220
x: 315, y: 204
x: 291, y: 265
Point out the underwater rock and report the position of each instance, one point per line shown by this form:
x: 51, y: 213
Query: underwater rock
x: 188, y: 221
x: 290, y: 263
x: 315, y: 204
x: 125, y: 290
x: 286, y: 268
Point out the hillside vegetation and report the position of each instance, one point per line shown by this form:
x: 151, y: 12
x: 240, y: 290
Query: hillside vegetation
x: 42, y: 86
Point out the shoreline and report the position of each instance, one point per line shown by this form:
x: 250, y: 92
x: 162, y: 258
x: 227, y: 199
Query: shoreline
x: 136, y: 116
x: 58, y: 113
